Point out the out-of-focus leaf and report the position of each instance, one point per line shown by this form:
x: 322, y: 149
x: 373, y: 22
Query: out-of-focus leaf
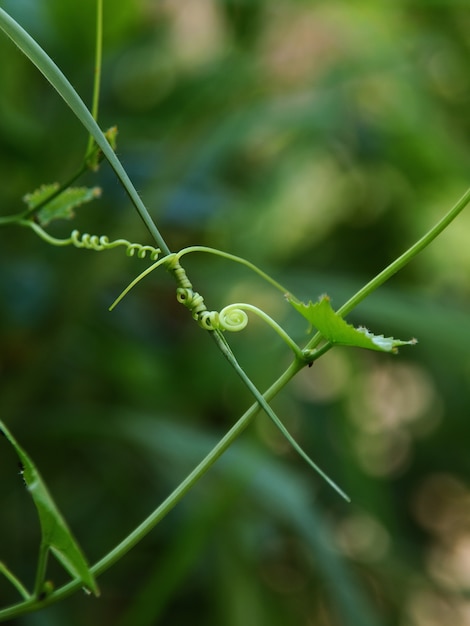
x: 61, y: 206
x: 96, y: 155
x: 333, y: 327
x: 56, y: 535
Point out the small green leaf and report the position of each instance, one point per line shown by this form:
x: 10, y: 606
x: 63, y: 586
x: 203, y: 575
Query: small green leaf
x: 61, y: 205
x: 56, y: 535
x: 333, y: 327
x: 40, y: 195
x: 96, y: 155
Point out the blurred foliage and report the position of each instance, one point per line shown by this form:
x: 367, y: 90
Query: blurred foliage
x: 319, y: 140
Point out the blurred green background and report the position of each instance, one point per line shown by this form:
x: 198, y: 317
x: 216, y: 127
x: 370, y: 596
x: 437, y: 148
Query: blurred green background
x: 318, y: 140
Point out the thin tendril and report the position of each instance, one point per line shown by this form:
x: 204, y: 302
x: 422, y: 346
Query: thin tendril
x: 237, y: 259
x: 94, y: 242
x: 174, y: 266
x: 162, y: 261
x: 15, y: 582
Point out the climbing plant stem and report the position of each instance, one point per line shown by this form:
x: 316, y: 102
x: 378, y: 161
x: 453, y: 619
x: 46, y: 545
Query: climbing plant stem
x: 399, y: 263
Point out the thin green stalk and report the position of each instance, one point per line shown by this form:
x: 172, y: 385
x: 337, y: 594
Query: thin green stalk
x: 94, y: 111
x: 11, y: 219
x: 41, y: 569
x: 44, y: 235
x: 14, y: 581
x: 407, y: 256
x: 97, y: 72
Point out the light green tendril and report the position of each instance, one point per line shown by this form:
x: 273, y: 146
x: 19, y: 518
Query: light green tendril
x: 94, y: 242
x: 236, y: 259
x: 171, y: 261
x: 99, y: 243
x: 164, y: 261
x: 231, y: 318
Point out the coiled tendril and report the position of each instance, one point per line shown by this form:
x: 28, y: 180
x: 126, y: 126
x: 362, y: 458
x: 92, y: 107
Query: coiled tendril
x: 98, y: 243
x: 232, y: 317
x: 94, y: 242
x: 229, y: 318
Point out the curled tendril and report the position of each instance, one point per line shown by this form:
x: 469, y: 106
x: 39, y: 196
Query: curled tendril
x: 94, y: 242
x: 232, y: 318
x: 180, y: 274
x: 192, y: 301
x: 98, y: 243
x: 229, y: 318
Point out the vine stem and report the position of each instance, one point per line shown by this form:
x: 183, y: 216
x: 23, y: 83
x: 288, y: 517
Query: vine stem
x: 398, y: 264
x: 41, y: 568
x: 165, y: 507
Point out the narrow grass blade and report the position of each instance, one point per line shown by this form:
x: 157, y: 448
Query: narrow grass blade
x: 56, y: 536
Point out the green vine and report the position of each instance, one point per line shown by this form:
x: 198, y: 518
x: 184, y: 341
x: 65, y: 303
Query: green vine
x: 56, y: 202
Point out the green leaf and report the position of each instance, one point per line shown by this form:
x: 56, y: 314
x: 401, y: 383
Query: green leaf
x: 96, y: 155
x: 61, y: 205
x: 56, y: 535
x: 333, y: 327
